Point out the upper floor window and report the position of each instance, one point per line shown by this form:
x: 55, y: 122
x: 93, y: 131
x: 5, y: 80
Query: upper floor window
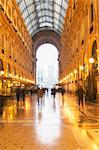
x: 9, y: 11
x: 94, y: 55
x: 74, y: 4
x: 94, y: 49
x: 8, y: 69
x: 3, y: 40
x: 1, y: 65
x: 92, y: 13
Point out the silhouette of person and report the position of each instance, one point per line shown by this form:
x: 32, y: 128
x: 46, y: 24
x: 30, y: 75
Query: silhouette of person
x: 18, y: 94
x: 80, y: 93
x: 23, y: 93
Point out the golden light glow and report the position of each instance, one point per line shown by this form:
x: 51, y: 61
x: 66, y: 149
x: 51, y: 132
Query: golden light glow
x: 81, y: 68
x: 10, y: 75
x: 84, y: 132
x: 91, y: 60
x: 23, y: 79
x: 75, y: 71
x: 16, y: 76
x: 11, y: 84
x: 27, y: 105
x: 71, y: 74
x: 9, y: 112
x: 95, y: 147
x: 20, y: 78
x: 2, y: 72
x: 63, y: 80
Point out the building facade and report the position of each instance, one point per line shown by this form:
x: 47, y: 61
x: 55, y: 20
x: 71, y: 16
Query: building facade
x: 79, y: 58
x: 15, y: 48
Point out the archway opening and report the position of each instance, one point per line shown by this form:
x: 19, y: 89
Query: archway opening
x: 47, y: 69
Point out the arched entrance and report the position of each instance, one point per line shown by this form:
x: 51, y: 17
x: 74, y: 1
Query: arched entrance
x: 47, y: 65
x: 44, y: 37
x: 94, y: 69
x: 93, y: 72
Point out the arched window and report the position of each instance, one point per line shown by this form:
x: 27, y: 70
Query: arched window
x: 74, y: 4
x: 94, y: 55
x: 91, y: 13
x: 14, y: 71
x: 85, y: 62
x: 1, y: 65
x: 8, y: 69
x: 94, y: 48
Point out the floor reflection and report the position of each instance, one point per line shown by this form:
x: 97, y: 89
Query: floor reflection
x: 11, y: 110
x: 47, y: 123
x: 55, y: 122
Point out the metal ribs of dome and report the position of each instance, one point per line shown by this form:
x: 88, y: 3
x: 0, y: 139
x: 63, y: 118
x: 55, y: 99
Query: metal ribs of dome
x: 43, y: 14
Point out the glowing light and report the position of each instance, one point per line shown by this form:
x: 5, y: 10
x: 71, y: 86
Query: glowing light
x: 1, y: 72
x: 95, y: 147
x: 81, y: 68
x: 23, y: 79
x: 16, y: 76
x: 84, y: 132
x: 20, y: 78
x: 23, y: 85
x: 11, y: 84
x: 75, y: 71
x: 63, y: 80
x: 91, y: 60
x: 10, y: 75
x: 27, y: 105
x: 71, y: 74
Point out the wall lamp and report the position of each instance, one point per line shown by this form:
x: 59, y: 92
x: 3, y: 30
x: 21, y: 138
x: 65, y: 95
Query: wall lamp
x: 91, y: 60
x: 81, y: 68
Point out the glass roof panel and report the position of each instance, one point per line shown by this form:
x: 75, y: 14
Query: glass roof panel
x: 43, y: 14
x: 28, y: 2
x: 44, y: 24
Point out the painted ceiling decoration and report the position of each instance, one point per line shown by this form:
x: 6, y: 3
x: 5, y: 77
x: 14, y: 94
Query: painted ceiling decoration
x: 43, y: 14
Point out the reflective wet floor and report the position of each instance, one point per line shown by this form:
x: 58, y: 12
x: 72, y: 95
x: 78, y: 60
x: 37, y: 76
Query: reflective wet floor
x: 54, y: 124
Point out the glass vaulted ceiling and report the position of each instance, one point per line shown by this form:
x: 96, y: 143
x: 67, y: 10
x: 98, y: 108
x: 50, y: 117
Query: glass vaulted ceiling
x: 43, y: 14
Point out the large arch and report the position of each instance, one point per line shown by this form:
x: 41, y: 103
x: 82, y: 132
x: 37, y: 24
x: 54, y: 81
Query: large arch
x: 42, y: 38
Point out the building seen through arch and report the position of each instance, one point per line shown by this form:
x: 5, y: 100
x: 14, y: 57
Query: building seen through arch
x: 47, y: 66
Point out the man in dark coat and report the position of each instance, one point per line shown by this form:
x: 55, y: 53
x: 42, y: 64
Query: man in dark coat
x: 80, y: 93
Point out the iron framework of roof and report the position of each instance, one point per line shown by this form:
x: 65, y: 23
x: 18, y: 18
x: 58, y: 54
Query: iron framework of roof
x: 43, y: 14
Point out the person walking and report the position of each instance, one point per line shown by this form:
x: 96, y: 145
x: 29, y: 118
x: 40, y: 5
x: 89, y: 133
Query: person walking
x: 39, y: 94
x: 23, y: 93
x: 18, y: 94
x: 80, y: 93
x: 62, y: 92
x: 53, y: 92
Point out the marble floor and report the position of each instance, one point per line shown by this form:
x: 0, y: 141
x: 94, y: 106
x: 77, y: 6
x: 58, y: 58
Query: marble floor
x: 54, y: 124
